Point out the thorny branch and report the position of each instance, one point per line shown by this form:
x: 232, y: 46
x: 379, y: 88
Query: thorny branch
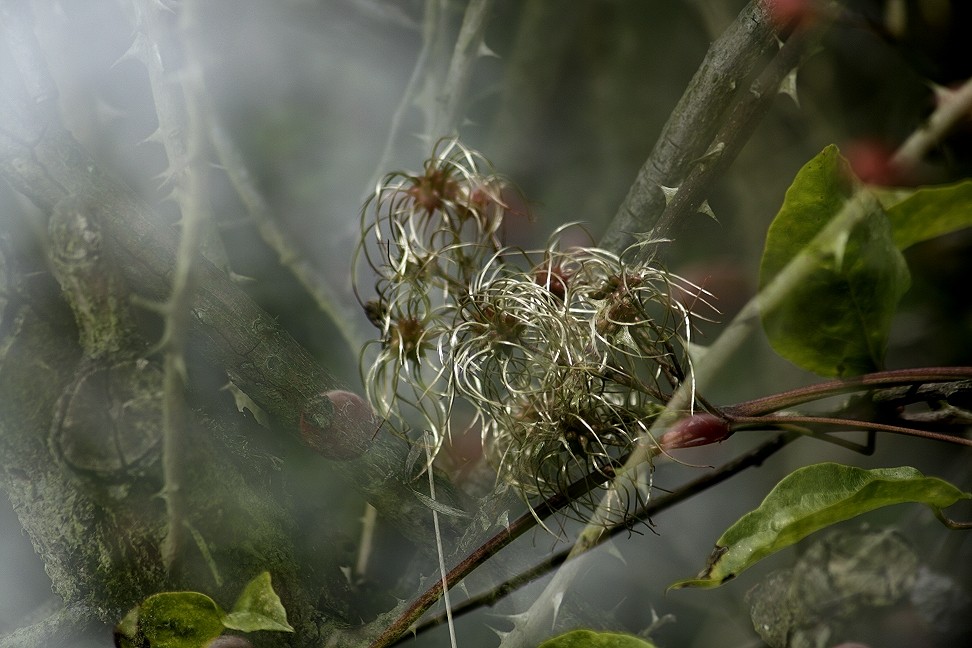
x: 45, y: 163
x: 267, y: 380
x: 469, y: 43
x: 736, y: 130
x: 324, y: 294
x: 754, y: 457
x: 689, y: 132
x: 756, y: 414
x: 954, y: 106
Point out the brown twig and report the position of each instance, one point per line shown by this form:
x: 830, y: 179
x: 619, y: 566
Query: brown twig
x: 879, y: 379
x: 752, y: 412
x: 754, y: 457
x: 781, y: 421
x: 483, y: 553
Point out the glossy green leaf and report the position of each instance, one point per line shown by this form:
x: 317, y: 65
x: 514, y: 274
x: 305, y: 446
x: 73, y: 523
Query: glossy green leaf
x: 591, y: 639
x: 258, y: 608
x: 810, y: 499
x: 924, y: 213
x: 179, y: 620
x: 836, y: 323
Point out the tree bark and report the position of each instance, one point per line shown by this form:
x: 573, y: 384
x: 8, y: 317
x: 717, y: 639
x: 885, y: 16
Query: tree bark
x: 102, y: 552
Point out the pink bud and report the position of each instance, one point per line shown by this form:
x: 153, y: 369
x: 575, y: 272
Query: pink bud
x: 695, y: 430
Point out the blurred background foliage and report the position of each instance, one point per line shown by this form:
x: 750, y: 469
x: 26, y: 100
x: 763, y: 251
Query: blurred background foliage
x: 567, y: 104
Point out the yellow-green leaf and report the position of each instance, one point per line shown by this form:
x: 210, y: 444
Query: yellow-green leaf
x: 126, y: 629
x: 258, y: 608
x: 810, y: 499
x: 836, y: 322
x: 927, y: 212
x: 179, y: 620
x: 591, y: 639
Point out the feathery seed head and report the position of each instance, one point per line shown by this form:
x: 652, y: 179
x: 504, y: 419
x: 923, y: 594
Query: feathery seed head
x: 566, y: 356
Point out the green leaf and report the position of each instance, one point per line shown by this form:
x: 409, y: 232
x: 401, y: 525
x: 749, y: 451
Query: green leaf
x: 127, y: 629
x: 179, y: 620
x: 258, y: 608
x: 810, y: 499
x: 924, y: 213
x: 591, y: 639
x: 837, y: 322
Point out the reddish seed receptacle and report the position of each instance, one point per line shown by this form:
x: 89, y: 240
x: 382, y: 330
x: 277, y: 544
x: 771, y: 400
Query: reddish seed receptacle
x: 554, y: 279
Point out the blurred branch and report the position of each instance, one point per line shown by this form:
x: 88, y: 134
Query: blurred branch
x: 689, y: 132
x: 954, y: 106
x: 341, y: 311
x: 469, y: 46
x: 45, y: 163
x: 80, y: 437
x: 543, y: 38
x: 154, y: 43
x: 195, y: 217
x: 432, y: 33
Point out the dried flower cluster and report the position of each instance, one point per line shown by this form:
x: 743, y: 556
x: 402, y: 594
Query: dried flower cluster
x: 566, y: 356
x: 425, y: 237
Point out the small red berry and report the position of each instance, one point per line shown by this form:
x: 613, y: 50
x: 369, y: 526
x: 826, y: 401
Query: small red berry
x: 784, y: 13
x: 351, y: 427
x: 870, y: 160
x: 695, y: 430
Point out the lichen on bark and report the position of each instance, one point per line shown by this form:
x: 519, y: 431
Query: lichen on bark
x: 97, y: 530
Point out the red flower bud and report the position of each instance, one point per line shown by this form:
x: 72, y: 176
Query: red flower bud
x: 695, y: 430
